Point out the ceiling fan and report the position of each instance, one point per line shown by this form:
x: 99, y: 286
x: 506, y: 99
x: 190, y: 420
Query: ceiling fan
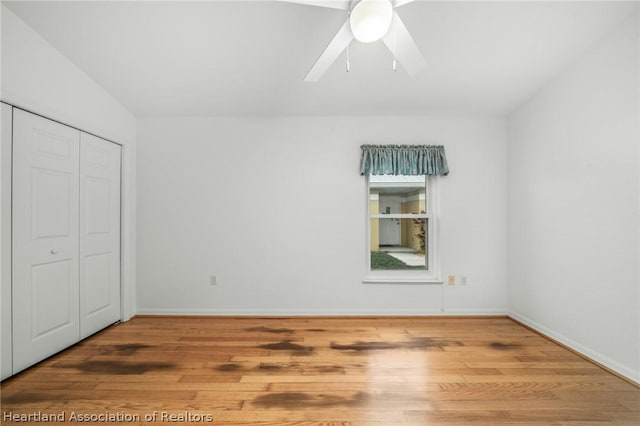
x: 368, y: 21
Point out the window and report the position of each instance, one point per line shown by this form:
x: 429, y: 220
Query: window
x: 402, y: 229
x: 402, y: 211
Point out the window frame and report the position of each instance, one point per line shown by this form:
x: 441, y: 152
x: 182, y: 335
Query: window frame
x: 400, y: 276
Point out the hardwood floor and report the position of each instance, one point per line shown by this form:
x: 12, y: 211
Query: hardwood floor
x: 336, y: 371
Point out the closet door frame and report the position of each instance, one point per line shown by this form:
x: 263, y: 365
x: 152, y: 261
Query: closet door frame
x: 6, y: 360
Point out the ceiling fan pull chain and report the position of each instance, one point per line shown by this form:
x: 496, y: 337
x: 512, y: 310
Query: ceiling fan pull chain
x: 348, y: 65
x: 395, y: 49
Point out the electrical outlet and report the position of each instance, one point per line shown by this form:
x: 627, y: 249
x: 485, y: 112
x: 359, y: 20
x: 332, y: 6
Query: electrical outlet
x: 452, y: 280
x: 463, y: 280
x: 212, y: 280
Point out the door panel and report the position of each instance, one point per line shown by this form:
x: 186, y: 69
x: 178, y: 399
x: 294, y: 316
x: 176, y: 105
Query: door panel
x: 98, y: 281
x: 52, y: 203
x: 99, y: 234
x: 45, y: 238
x: 390, y: 232
x: 98, y: 211
x: 51, y: 296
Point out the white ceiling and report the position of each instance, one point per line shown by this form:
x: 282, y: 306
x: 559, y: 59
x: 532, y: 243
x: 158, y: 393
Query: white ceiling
x: 250, y: 58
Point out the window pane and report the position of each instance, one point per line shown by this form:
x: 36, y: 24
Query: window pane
x: 398, y: 243
x: 397, y: 194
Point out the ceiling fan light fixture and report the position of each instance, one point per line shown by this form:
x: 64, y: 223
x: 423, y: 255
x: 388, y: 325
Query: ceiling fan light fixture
x: 370, y: 20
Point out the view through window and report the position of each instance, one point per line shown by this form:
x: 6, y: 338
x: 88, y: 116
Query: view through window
x: 399, y: 222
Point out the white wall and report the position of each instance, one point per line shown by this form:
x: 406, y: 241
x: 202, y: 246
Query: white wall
x: 36, y: 77
x: 574, y: 205
x: 275, y: 207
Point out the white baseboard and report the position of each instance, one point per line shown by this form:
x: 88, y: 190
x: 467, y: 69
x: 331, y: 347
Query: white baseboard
x: 607, y: 362
x: 476, y: 312
x: 321, y: 312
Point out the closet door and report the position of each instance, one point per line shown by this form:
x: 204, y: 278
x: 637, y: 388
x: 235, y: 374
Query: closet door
x: 99, y: 234
x: 45, y: 238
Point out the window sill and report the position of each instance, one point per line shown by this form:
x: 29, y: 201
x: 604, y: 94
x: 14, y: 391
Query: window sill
x: 401, y: 280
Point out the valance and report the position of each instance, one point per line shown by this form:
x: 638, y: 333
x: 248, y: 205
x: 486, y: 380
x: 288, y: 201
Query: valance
x: 410, y: 160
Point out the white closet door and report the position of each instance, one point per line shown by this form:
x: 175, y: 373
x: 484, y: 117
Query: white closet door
x: 45, y: 238
x: 99, y: 234
x: 5, y: 247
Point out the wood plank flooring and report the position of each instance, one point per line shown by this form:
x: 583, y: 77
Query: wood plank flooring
x: 320, y: 371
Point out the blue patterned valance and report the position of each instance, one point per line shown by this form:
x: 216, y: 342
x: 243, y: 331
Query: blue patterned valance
x: 408, y: 160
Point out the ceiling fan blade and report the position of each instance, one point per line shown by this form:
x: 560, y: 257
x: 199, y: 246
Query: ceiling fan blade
x: 403, y: 47
x: 333, y: 4
x: 398, y: 3
x: 341, y: 40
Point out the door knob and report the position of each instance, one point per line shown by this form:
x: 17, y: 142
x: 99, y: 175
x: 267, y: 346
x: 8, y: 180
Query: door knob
x: 54, y: 251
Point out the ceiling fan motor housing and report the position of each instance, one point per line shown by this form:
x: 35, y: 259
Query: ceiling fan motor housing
x: 370, y: 20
